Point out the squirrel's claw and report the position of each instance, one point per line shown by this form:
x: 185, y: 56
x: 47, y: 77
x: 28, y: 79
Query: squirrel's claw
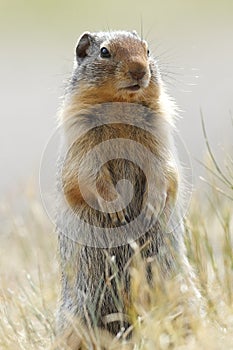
x: 119, y: 217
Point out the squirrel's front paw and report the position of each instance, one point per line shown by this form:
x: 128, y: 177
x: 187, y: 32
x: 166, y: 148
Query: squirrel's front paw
x: 154, y: 210
x: 119, y: 217
x: 115, y: 212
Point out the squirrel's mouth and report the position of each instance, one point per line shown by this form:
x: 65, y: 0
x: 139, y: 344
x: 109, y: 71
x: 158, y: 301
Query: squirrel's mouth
x: 134, y: 87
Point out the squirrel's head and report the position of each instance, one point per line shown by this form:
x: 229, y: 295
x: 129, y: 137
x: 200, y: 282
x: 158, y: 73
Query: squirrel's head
x: 117, y: 65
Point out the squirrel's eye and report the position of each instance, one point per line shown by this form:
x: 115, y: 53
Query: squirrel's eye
x: 104, y: 53
x: 148, y: 52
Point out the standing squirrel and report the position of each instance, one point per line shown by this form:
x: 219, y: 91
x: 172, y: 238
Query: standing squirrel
x: 115, y: 76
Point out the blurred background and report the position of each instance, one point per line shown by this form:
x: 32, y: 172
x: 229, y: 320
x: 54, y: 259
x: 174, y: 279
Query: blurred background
x: 192, y: 40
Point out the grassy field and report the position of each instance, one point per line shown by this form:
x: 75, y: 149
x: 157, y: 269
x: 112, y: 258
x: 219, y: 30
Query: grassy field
x: 29, y: 279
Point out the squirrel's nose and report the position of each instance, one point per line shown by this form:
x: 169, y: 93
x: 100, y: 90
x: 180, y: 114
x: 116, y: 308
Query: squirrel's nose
x: 137, y: 73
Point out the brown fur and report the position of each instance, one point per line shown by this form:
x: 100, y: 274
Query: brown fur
x: 87, y: 270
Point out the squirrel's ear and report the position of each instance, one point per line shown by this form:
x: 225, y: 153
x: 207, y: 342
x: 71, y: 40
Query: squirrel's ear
x: 134, y: 32
x: 83, y: 44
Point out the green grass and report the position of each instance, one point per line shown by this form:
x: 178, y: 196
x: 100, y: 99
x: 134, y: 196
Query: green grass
x: 162, y: 317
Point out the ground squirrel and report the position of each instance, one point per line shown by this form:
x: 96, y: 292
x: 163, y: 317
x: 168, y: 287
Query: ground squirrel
x: 115, y: 76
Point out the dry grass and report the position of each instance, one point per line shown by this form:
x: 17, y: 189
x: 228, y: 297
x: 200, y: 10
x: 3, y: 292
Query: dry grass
x: 30, y: 281
x: 28, y: 277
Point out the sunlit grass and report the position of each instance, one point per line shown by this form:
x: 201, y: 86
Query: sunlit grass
x: 162, y: 317
x: 28, y: 278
